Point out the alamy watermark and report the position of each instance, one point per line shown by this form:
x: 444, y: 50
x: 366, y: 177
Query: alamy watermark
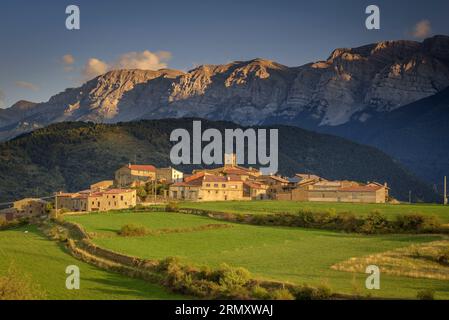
x: 72, y: 281
x: 372, y: 22
x: 252, y: 142
x: 373, y: 280
x: 73, y: 21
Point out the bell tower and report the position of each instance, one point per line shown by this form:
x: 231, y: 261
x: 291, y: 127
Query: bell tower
x: 230, y: 160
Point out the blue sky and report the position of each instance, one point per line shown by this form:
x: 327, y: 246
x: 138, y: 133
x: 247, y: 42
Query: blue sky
x: 34, y: 38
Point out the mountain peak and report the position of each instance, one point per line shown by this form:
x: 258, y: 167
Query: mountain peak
x: 23, y: 105
x: 351, y: 85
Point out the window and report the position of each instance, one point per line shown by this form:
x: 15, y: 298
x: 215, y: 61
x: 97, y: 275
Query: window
x: 223, y: 185
x: 216, y: 185
x: 208, y: 185
x: 121, y: 198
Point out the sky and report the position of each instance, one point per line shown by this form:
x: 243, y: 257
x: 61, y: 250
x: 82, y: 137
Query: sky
x: 40, y: 57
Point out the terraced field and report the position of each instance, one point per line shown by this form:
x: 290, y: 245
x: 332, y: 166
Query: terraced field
x: 285, y: 254
x: 45, y: 261
x: 265, y: 207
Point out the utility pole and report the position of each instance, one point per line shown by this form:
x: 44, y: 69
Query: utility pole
x: 410, y: 197
x: 56, y: 205
x: 445, y: 191
x: 154, y: 190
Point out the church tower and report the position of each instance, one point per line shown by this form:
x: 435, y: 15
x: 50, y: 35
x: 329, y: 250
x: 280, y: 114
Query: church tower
x: 230, y: 160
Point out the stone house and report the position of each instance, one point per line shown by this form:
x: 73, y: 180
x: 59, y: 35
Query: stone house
x: 203, y: 186
x: 102, y: 185
x: 337, y: 191
x: 169, y: 175
x: 92, y: 200
x: 133, y: 175
x: 28, y: 207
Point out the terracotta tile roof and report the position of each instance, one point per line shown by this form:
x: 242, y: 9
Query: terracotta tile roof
x: 277, y: 178
x: 253, y: 185
x: 236, y: 171
x: 139, y: 167
x: 116, y: 191
x: 361, y: 189
x: 194, y: 183
x: 215, y: 179
x: 194, y: 177
x: 67, y: 195
x: 307, y: 176
x: 212, y: 178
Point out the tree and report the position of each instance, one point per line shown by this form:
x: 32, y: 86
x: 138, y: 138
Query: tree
x: 141, y: 193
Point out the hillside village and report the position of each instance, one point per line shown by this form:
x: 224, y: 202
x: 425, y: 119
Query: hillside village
x: 146, y: 184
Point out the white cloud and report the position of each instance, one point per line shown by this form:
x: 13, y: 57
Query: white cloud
x: 93, y: 68
x: 68, y: 60
x: 145, y: 60
x: 27, y: 85
x: 422, y: 29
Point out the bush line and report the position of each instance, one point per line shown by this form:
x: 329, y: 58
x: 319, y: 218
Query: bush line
x: 203, y: 282
x: 374, y: 223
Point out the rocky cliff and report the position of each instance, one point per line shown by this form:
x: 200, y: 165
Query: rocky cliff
x: 351, y: 85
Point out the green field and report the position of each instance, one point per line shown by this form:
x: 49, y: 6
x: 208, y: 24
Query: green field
x: 285, y: 254
x: 264, y: 207
x: 45, y: 262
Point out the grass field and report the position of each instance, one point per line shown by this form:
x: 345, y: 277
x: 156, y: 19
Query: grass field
x: 286, y: 254
x: 45, y: 262
x: 264, y: 207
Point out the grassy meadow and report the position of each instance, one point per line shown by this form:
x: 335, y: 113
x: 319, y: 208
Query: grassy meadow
x: 45, y: 261
x: 285, y: 254
x: 265, y: 207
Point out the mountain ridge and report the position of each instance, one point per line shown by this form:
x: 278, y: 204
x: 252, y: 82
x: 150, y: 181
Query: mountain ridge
x: 70, y: 156
x: 351, y: 85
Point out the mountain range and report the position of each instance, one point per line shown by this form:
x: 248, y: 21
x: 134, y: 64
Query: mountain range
x: 70, y: 156
x: 349, y: 94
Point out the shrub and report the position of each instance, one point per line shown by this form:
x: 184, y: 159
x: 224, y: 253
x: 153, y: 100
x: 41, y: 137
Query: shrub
x: 172, y: 207
x: 231, y: 278
x: 323, y: 292
x: 165, y: 264
x: 306, y: 292
x: 417, y: 223
x: 131, y: 230
x: 58, y: 233
x: 347, y: 222
x: 374, y: 223
x: 3, y: 221
x: 18, y: 286
x: 281, y: 294
x: 142, y: 193
x: 260, y: 293
x: 426, y: 294
x: 139, y: 207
